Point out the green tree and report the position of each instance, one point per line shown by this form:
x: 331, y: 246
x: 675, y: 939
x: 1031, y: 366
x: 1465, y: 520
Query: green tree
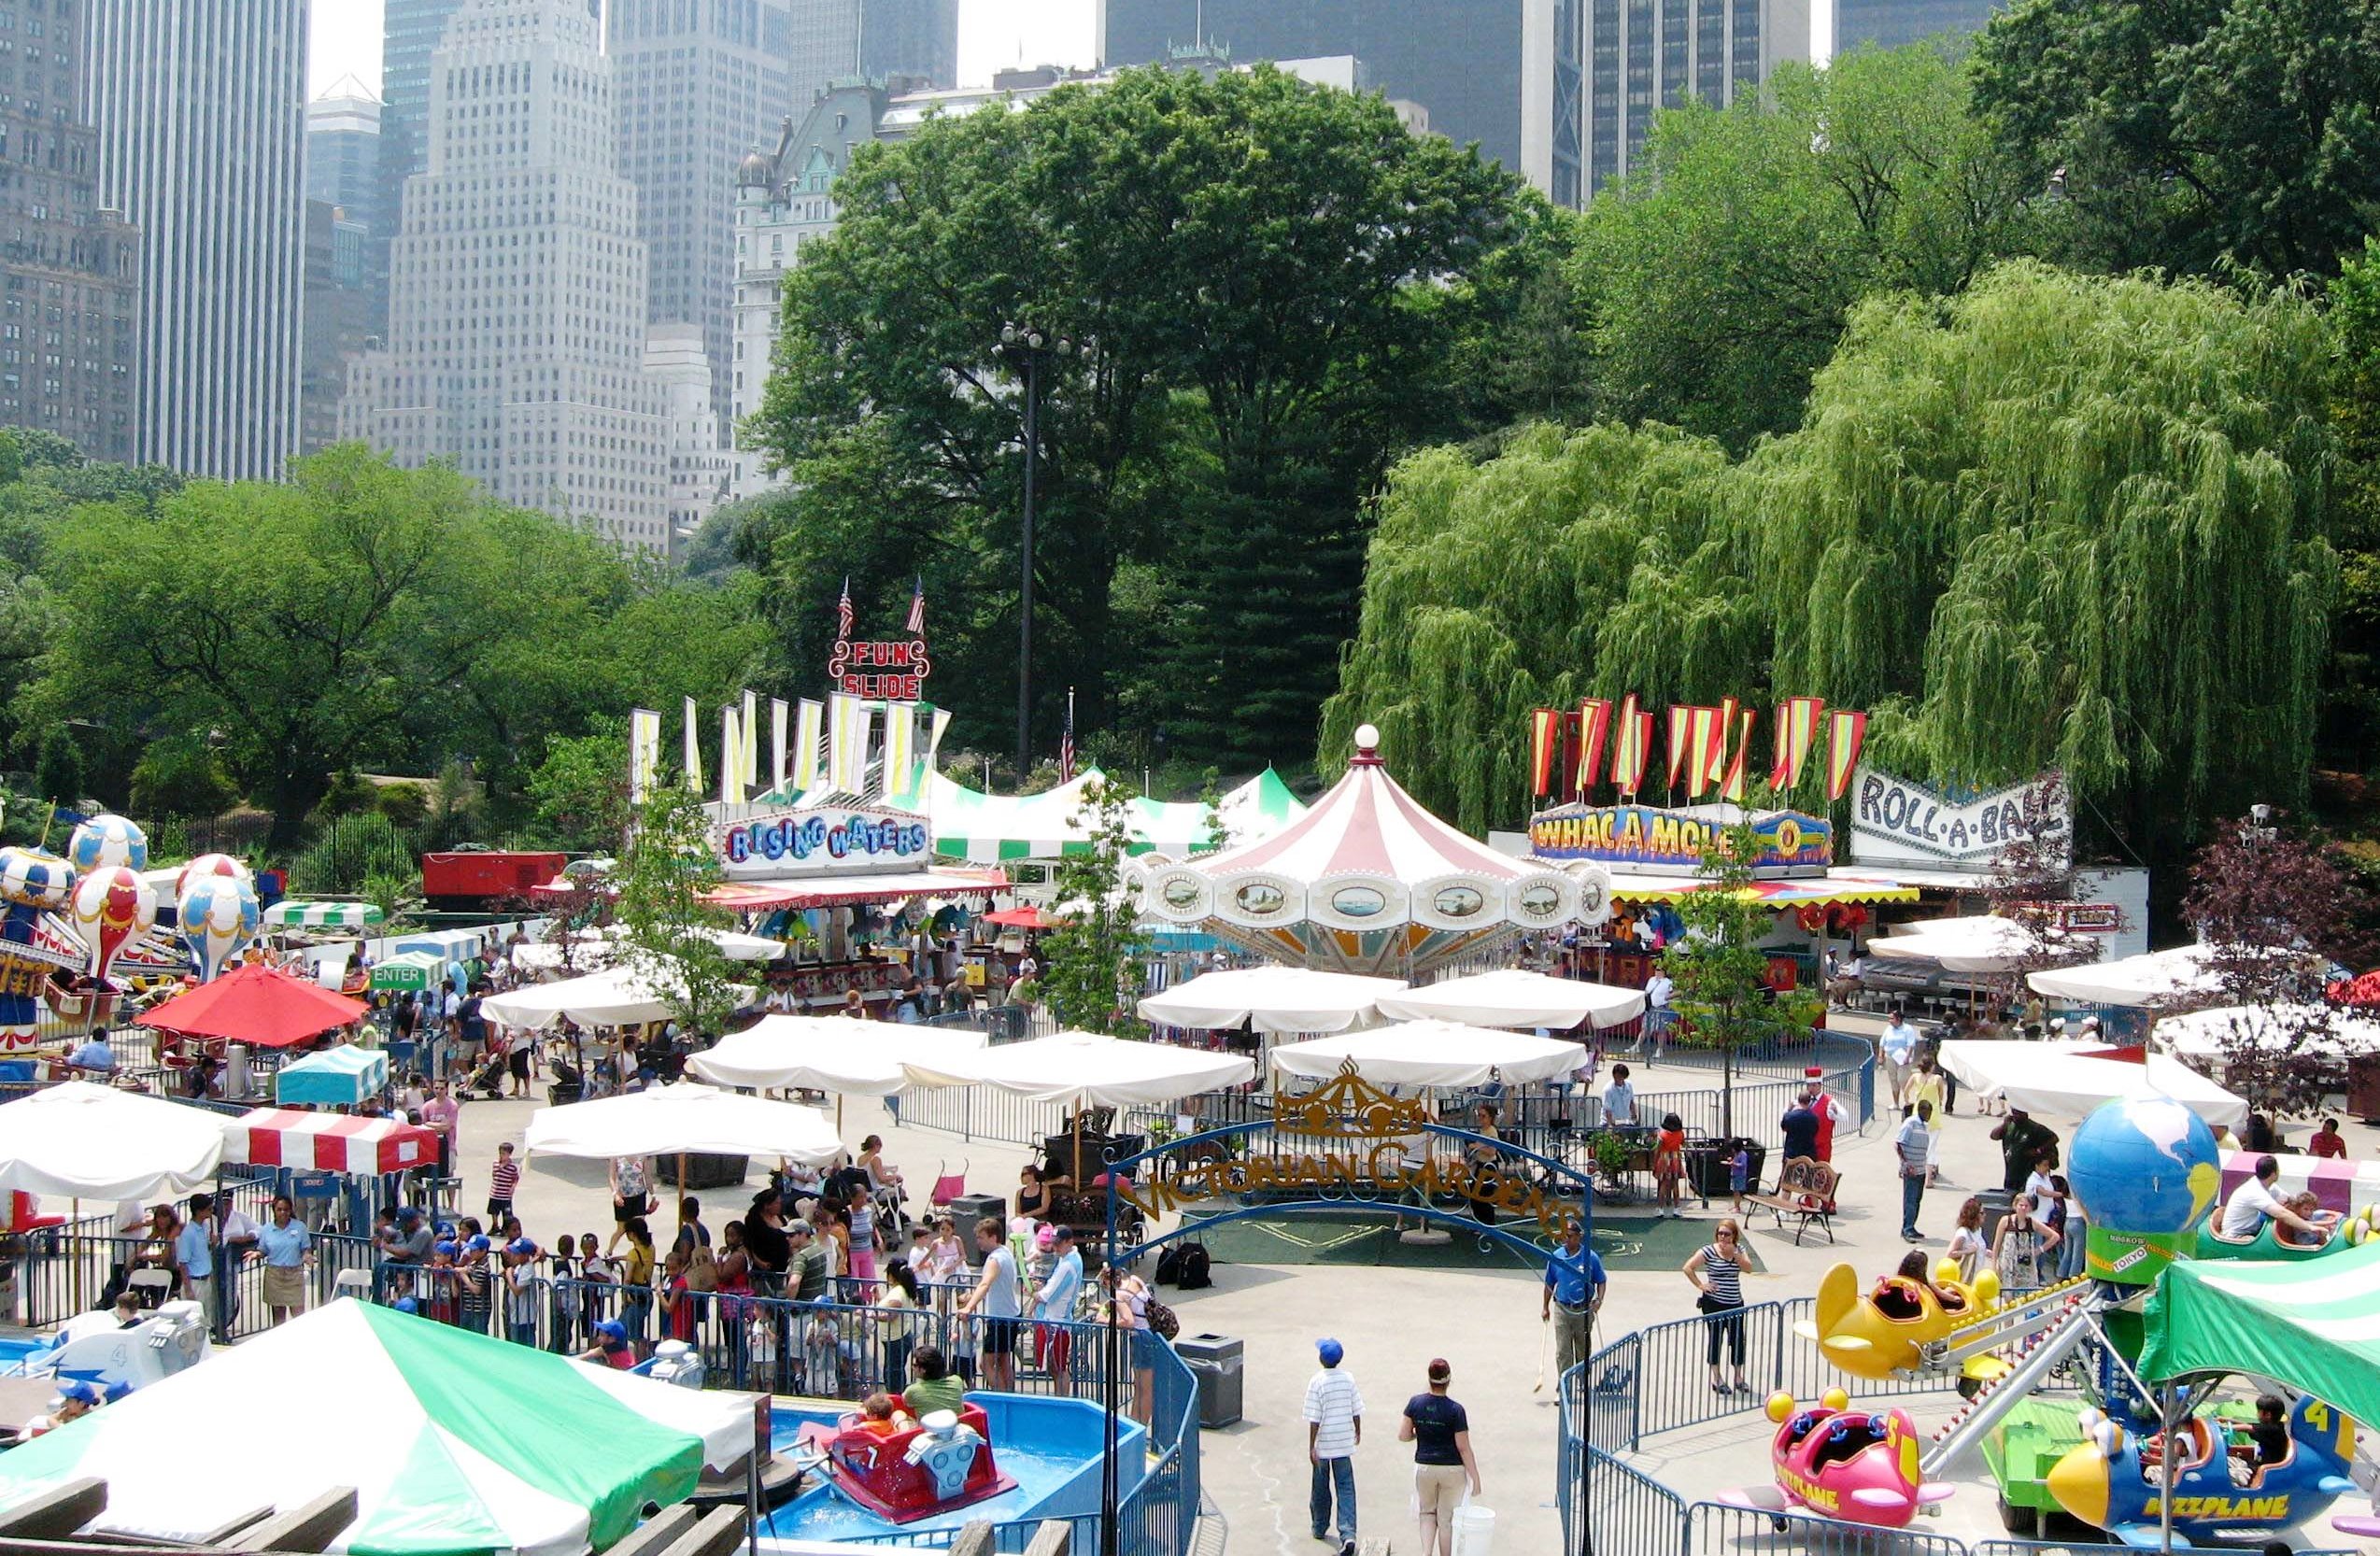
x: 1091, y: 953
x: 2195, y: 135
x: 58, y: 770
x: 1718, y: 280
x: 580, y: 791
x: 668, y: 863
x: 2351, y: 690
x: 1276, y: 278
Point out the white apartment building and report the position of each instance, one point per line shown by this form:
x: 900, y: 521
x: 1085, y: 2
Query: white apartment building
x: 701, y: 467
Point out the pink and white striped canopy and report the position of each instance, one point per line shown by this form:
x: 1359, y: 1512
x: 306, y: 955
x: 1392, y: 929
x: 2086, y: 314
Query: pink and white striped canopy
x: 331, y: 1142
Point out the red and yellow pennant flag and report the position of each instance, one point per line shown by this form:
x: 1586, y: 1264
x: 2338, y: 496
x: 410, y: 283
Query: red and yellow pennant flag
x: 1545, y: 737
x: 1732, y: 786
x: 1680, y: 715
x: 1594, y: 728
x: 1630, y: 746
x: 1705, y: 735
x: 1796, y: 732
x: 1845, y: 730
x: 1727, y: 706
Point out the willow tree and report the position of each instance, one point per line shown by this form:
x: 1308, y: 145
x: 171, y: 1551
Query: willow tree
x: 2054, y: 522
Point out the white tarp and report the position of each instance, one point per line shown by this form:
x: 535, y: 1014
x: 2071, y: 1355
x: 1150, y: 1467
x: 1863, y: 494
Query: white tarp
x: 83, y: 1141
x: 1085, y: 1069
x: 1273, y: 998
x: 617, y: 997
x: 831, y: 1054
x: 1979, y: 943
x: 602, y: 947
x: 666, y: 1120
x: 2141, y: 979
x: 1513, y: 998
x: 2058, y: 1082
x: 2218, y: 1032
x: 1433, y: 1053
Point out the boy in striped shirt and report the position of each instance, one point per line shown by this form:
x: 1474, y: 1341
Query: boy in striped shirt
x: 503, y: 1179
x: 1334, y: 1427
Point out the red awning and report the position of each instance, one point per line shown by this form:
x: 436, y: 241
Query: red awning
x: 260, y: 1006
x: 1027, y: 917
x: 832, y: 891
x: 332, y: 1142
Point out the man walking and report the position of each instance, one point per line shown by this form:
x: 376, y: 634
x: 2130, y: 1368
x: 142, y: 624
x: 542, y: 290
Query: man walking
x: 1334, y: 1428
x: 1574, y: 1282
x: 1914, y: 1143
x: 1654, y: 1029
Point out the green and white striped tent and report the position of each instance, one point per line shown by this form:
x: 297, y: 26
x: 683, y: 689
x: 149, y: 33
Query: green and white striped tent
x: 453, y: 1441
x: 985, y: 828
x: 410, y: 969
x: 301, y: 913
x: 2313, y: 1325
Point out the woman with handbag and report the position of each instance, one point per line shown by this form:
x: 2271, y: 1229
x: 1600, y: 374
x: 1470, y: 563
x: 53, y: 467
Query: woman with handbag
x: 1717, y: 1272
x: 1135, y: 1310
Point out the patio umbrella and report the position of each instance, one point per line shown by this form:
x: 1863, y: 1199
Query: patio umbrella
x: 261, y: 1006
x: 2060, y: 1082
x: 1269, y: 999
x: 2217, y: 1032
x: 1027, y: 917
x: 1433, y: 1053
x: 1977, y: 943
x: 1513, y: 998
x: 831, y: 1054
x: 664, y: 1121
x: 2142, y: 979
x: 617, y: 997
x: 83, y: 1141
x: 597, y: 948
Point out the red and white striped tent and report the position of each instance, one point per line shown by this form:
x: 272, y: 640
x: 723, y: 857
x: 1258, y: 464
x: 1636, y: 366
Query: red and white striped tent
x: 332, y: 1142
x: 1366, y: 881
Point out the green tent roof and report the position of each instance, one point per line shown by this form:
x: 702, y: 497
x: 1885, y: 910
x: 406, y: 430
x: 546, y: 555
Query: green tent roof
x: 2315, y: 1325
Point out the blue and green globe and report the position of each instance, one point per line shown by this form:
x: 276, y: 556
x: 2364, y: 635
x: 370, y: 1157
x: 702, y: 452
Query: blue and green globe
x: 2145, y: 1165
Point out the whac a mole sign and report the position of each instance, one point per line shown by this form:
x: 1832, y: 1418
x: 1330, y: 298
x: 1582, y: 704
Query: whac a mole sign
x: 1897, y: 822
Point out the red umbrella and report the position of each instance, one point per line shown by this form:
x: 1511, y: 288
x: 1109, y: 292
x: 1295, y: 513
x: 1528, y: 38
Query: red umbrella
x: 1021, y: 918
x: 2363, y: 991
x: 261, y: 1006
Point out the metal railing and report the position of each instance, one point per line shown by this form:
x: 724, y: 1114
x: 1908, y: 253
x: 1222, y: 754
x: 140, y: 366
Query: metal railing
x: 1626, y: 1509
x: 77, y: 1268
x: 1714, y: 1529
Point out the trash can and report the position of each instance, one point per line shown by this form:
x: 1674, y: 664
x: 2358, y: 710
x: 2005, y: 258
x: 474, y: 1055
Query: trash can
x: 1995, y: 1208
x: 237, y: 1076
x: 1708, y: 1165
x: 966, y: 1210
x: 1216, y: 1361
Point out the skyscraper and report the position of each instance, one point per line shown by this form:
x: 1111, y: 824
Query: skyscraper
x: 697, y: 84
x: 342, y: 150
x: 1889, y: 24
x: 876, y: 39
x: 517, y: 335
x: 1646, y: 55
x: 201, y: 111
x: 69, y: 268
x: 337, y: 318
x: 1503, y: 73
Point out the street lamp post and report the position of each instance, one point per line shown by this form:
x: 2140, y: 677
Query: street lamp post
x: 1029, y: 348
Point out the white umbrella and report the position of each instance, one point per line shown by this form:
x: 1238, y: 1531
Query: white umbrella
x: 1433, y: 1053
x: 1513, y: 998
x: 1273, y: 998
x: 2059, y: 1082
x: 2220, y: 1032
x: 599, y: 947
x: 83, y: 1141
x: 831, y: 1054
x: 1979, y: 943
x: 2141, y: 979
x: 666, y: 1120
x: 1085, y: 1070
x: 616, y: 997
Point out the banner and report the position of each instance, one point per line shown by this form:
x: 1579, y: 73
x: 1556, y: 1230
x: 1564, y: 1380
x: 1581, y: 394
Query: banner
x: 849, y: 720
x: 1679, y: 718
x: 808, y: 730
x: 1732, y: 786
x: 731, y: 757
x: 1545, y: 733
x: 1647, y: 835
x: 1897, y: 822
x: 748, y: 753
x: 1632, y: 747
x: 693, y: 750
x: 1594, y: 728
x: 643, y: 754
x: 826, y: 838
x: 1727, y: 706
x: 1845, y: 732
x: 940, y: 721
x: 1704, y: 738
x: 776, y: 743
x: 1796, y: 732
x: 900, y: 745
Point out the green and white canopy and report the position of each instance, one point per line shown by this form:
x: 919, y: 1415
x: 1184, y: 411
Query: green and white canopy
x: 454, y: 1442
x: 986, y: 828
x: 414, y: 970
x: 296, y: 913
x: 2313, y: 1325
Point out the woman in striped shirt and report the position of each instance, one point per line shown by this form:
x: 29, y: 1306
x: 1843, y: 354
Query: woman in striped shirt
x: 1717, y: 1272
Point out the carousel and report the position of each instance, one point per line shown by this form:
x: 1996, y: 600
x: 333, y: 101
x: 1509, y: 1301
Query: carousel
x: 1366, y: 881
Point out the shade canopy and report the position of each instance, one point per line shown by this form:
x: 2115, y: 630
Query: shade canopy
x: 1433, y: 1053
x: 599, y: 948
x: 1978, y: 944
x: 2144, y: 980
x: 2313, y: 1326
x: 327, y: 1142
x: 452, y: 1441
x: 1085, y: 1069
x: 987, y: 828
x: 2060, y: 1082
x: 664, y: 1120
x: 617, y: 996
x: 2226, y: 1029
x: 831, y: 1053
x: 1270, y: 999
x: 83, y: 1141
x: 412, y: 969
x: 260, y: 1006
x: 1027, y: 917
x: 294, y: 914
x: 1513, y: 998
x: 840, y: 889
x: 336, y: 1077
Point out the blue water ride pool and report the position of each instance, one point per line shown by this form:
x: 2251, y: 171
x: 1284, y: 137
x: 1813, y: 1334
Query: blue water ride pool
x: 1051, y: 1447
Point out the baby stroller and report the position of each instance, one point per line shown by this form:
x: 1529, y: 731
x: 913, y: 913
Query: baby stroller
x: 489, y: 1077
x: 948, y: 1185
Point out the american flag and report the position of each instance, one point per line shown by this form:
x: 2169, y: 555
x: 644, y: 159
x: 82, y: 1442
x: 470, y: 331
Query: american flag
x: 917, y: 609
x: 1065, y: 743
x: 843, y: 610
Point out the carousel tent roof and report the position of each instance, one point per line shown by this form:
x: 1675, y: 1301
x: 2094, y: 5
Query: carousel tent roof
x: 452, y: 1441
x: 1433, y: 1053
x: 1269, y: 998
x: 1513, y: 998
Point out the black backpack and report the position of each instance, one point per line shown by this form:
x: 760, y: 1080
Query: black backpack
x: 1169, y: 1265
x: 1193, y: 1272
